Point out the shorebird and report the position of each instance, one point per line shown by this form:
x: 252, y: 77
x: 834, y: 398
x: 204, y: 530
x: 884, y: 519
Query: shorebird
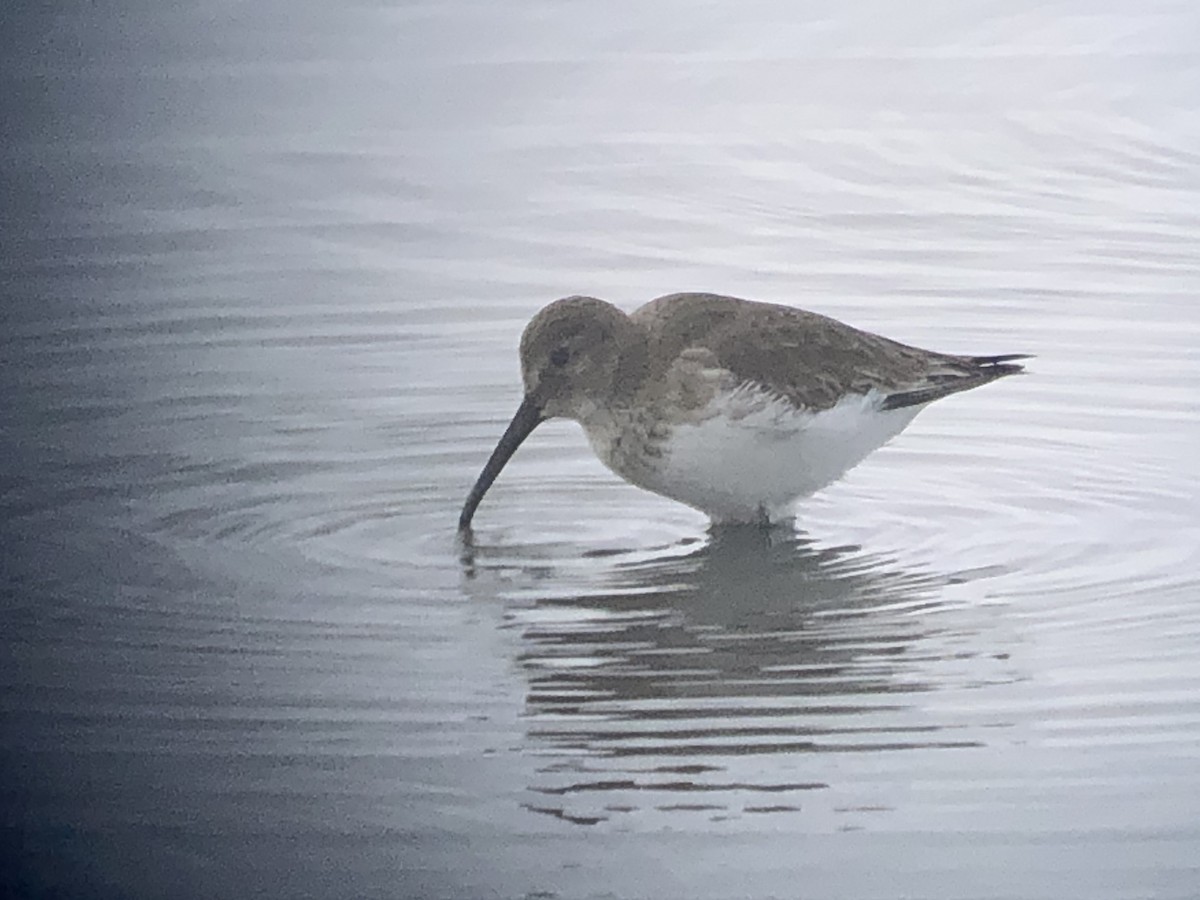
x: 735, y: 407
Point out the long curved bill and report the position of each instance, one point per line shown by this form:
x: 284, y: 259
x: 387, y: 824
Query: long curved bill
x: 528, y: 417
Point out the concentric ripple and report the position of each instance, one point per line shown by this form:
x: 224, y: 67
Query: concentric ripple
x: 265, y: 273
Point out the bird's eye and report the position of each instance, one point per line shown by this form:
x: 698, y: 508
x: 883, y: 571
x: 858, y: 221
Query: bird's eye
x: 559, y: 356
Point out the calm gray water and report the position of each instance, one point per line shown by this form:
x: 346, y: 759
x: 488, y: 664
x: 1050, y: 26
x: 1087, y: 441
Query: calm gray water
x: 264, y: 271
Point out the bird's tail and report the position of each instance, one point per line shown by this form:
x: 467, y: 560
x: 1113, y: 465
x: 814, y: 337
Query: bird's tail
x: 958, y: 373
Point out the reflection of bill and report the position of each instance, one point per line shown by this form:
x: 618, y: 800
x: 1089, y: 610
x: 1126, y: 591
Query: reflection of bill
x: 727, y: 680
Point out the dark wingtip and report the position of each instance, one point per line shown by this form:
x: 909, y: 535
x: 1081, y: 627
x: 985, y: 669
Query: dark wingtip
x: 973, y: 372
x: 999, y: 360
x: 999, y: 366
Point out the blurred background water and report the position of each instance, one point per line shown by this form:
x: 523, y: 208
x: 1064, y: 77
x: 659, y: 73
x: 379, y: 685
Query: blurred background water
x: 264, y: 271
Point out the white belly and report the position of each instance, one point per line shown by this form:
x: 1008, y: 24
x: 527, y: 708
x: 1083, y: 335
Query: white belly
x: 750, y: 460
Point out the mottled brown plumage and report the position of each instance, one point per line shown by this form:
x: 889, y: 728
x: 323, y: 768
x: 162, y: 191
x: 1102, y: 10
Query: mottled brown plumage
x: 810, y: 359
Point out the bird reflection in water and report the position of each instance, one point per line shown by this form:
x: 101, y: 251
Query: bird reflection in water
x: 720, y: 676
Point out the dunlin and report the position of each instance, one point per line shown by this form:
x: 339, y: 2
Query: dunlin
x: 734, y: 407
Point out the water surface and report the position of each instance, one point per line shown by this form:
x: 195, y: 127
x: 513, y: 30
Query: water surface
x: 264, y: 274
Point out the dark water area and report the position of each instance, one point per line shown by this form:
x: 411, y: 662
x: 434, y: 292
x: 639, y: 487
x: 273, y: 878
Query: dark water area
x: 264, y: 272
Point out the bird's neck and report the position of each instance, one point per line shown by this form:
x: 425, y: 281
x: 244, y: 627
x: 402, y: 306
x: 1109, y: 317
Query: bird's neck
x: 634, y: 368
